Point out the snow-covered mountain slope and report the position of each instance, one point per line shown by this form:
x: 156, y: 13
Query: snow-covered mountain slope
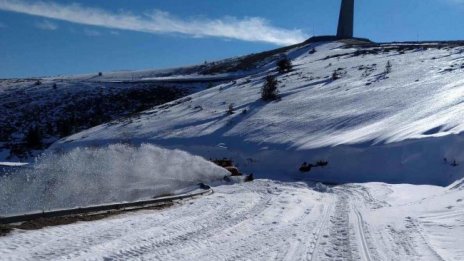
x: 33, y: 116
x: 54, y: 107
x: 266, y: 220
x: 371, y: 122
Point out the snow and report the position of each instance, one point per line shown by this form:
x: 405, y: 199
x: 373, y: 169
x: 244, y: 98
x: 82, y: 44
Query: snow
x: 266, y: 220
x: 370, y: 125
x: 62, y: 105
x: 90, y: 176
x: 398, y: 132
x: 13, y: 164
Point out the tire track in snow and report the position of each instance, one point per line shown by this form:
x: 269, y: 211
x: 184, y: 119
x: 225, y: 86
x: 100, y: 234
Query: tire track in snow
x: 172, y: 234
x: 412, y: 239
x: 239, y: 237
x: 264, y: 220
x: 282, y: 239
x: 189, y: 239
x: 360, y: 222
x: 414, y: 224
x: 316, y: 244
x: 357, y: 194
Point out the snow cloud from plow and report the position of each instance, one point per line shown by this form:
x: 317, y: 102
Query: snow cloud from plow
x: 90, y: 176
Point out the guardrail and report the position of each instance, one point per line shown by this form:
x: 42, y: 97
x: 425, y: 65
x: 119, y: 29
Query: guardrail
x: 116, y: 206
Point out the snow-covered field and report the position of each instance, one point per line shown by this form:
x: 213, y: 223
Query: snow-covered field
x: 267, y: 220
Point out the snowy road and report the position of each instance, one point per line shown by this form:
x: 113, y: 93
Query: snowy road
x: 262, y: 220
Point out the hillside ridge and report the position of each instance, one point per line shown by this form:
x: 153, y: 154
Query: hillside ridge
x: 372, y: 123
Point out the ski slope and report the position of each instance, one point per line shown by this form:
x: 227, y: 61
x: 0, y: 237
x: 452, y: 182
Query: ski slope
x: 371, y: 124
x: 267, y: 220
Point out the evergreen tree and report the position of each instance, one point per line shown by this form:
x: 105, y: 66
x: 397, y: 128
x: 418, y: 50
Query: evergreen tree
x: 285, y: 65
x: 269, y: 91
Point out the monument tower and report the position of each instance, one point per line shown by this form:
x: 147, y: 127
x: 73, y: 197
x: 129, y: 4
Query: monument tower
x: 345, y: 22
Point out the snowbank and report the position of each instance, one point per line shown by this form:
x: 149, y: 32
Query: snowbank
x: 420, y: 161
x: 86, y: 176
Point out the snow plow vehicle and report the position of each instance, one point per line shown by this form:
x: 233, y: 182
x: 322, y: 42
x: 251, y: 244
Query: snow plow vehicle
x: 228, y: 164
x: 305, y: 167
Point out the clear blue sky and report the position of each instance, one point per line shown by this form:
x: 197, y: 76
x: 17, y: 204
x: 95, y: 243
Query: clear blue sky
x: 41, y: 38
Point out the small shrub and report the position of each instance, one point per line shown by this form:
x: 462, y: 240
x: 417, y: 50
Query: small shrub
x: 388, y: 67
x: 322, y: 163
x: 285, y: 65
x: 231, y: 109
x: 269, y: 91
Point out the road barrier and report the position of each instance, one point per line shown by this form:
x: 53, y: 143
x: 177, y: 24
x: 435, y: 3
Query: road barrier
x: 205, y: 190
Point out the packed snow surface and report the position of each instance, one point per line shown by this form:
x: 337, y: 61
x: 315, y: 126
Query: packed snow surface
x: 371, y: 122
x: 267, y: 220
x: 89, y: 176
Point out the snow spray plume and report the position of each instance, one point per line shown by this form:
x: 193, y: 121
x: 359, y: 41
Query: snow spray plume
x: 89, y: 176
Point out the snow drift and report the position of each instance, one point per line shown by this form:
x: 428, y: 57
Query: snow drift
x: 87, y: 176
